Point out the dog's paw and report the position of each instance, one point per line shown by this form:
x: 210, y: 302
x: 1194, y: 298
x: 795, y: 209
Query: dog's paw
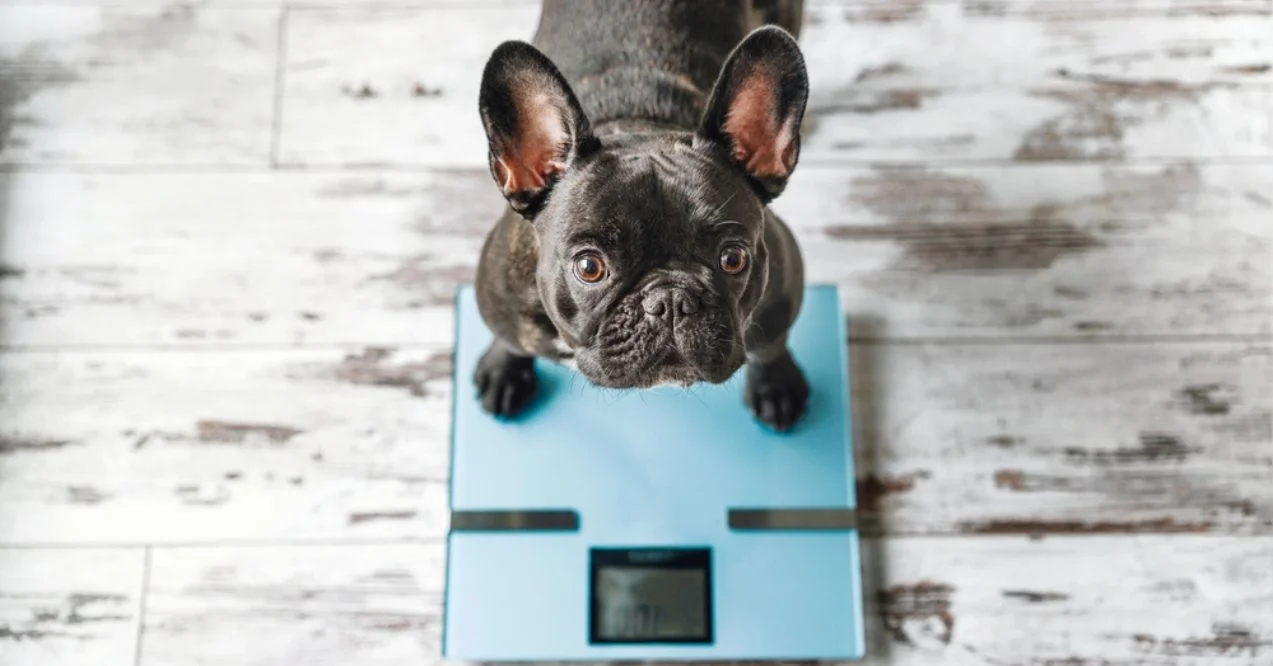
x: 506, y: 382
x: 777, y: 393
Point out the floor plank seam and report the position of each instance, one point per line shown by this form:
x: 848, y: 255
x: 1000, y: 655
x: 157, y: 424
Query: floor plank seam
x: 227, y: 543
x: 141, y: 613
x: 930, y: 164
x: 380, y: 5
x: 443, y: 345
x: 869, y: 535
x: 452, y: 5
x: 280, y: 79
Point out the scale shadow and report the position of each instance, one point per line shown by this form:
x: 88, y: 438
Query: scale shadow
x: 9, y: 273
x: 865, y: 378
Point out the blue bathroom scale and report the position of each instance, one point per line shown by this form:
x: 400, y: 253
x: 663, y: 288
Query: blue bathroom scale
x: 663, y: 524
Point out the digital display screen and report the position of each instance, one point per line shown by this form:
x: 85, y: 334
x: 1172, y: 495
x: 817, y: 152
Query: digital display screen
x: 651, y: 596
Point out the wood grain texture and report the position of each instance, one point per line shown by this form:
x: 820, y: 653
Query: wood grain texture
x: 346, y: 101
x: 1032, y: 438
x: 1038, y: 82
x: 216, y: 260
x: 1122, y: 8
x: 990, y: 44
x: 877, y: 8
x: 239, y: 259
x: 70, y: 607
x: 1097, y: 600
x: 334, y: 4
x: 909, y: 82
x: 178, y: 84
x: 927, y: 600
x: 1044, y: 125
x: 1041, y: 252
x: 353, y: 443
x: 197, y: 447
x: 315, y: 605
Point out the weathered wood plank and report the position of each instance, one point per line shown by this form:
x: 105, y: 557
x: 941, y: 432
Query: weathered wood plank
x: 410, y: 99
x: 1043, y: 252
x: 1101, y: 600
x: 1081, y: 438
x: 1098, y: 121
x: 979, y: 44
x: 348, y: 444
x: 64, y: 59
x: 1122, y: 8
x: 70, y: 607
x: 918, y: 82
x: 333, y: 4
x: 992, y: 7
x: 238, y: 259
x: 316, y: 605
x: 299, y: 258
x: 180, y: 447
x: 178, y: 84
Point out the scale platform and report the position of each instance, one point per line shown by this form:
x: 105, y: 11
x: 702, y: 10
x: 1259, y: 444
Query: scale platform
x: 665, y: 524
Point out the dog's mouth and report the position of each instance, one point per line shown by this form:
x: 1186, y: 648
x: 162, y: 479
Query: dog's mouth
x: 672, y: 370
x: 634, y: 349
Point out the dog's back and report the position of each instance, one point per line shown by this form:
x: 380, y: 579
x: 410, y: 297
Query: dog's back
x: 650, y: 61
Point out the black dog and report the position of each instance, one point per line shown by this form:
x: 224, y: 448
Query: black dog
x: 638, y: 143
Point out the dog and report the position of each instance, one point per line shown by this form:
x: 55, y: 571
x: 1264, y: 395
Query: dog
x: 638, y: 145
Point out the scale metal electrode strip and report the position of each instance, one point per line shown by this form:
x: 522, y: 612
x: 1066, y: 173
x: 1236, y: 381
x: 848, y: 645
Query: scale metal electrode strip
x: 543, y: 520
x: 559, y: 520
x: 793, y: 519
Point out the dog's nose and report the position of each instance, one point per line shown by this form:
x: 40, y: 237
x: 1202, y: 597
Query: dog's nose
x: 684, y: 302
x: 655, y: 302
x: 669, y: 302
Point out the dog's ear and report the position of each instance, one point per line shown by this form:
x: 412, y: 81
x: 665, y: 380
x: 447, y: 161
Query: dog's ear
x: 757, y: 105
x: 535, y: 127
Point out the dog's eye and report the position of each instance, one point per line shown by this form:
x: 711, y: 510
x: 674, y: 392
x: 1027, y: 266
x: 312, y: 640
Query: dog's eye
x: 590, y: 268
x: 733, y: 259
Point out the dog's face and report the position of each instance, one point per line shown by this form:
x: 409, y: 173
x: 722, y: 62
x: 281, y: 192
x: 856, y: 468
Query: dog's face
x: 651, y: 247
x: 652, y: 258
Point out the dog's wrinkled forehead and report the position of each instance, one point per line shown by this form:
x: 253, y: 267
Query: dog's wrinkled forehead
x: 630, y: 197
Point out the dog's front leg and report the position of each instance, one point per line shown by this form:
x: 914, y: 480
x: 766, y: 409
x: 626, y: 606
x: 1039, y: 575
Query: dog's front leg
x: 505, y: 379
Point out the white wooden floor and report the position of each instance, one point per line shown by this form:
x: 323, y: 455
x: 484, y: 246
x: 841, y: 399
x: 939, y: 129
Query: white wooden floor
x: 230, y: 231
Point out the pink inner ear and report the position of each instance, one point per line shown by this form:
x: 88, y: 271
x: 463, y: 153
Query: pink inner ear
x: 763, y: 143
x: 534, y: 153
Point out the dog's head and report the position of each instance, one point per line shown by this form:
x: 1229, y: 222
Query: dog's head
x: 652, y: 251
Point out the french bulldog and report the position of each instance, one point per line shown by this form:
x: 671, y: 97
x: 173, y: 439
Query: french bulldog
x: 638, y: 145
